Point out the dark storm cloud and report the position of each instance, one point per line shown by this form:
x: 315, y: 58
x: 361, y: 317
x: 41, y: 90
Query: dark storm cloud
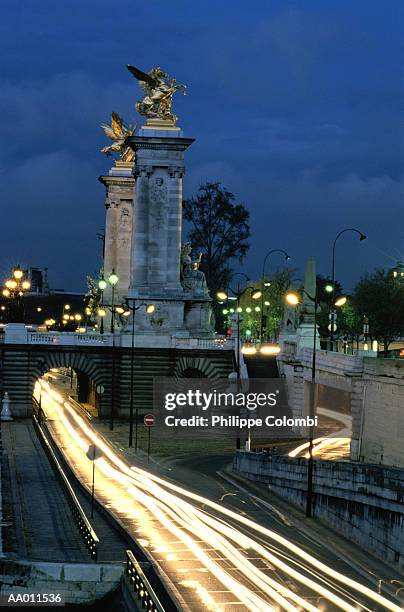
x: 296, y: 108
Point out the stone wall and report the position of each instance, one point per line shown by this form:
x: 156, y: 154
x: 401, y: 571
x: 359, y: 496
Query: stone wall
x: 23, y: 365
x: 78, y: 583
x: 376, y: 388
x: 363, y: 502
x: 382, y: 423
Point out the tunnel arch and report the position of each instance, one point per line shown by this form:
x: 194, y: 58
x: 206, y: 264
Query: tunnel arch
x: 87, y: 371
x: 191, y: 366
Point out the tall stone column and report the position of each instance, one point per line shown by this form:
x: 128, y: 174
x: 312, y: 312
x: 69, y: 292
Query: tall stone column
x: 156, y: 245
x: 120, y: 186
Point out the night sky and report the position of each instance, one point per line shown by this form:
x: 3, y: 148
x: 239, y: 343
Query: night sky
x: 296, y: 108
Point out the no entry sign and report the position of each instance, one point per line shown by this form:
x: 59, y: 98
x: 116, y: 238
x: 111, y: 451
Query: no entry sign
x: 148, y: 420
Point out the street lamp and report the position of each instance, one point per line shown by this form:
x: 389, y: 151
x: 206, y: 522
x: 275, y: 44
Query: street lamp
x: 14, y: 288
x: 362, y: 237
x: 149, y: 309
x: 293, y: 299
x: 113, y: 279
x: 223, y: 295
x: 267, y: 284
x: 102, y: 285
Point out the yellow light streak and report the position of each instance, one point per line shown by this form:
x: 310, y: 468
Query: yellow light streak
x: 125, y: 485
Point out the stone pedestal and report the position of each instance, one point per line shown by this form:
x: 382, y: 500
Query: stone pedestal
x: 15, y: 333
x: 156, y: 238
x: 120, y: 185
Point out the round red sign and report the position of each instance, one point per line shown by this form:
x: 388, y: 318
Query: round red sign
x: 148, y: 420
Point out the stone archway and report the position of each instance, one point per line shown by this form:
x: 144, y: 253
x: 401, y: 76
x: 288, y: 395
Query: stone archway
x: 87, y: 372
x: 192, y: 367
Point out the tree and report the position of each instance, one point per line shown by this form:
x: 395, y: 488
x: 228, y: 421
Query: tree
x: 219, y: 228
x: 381, y: 298
x: 350, y: 322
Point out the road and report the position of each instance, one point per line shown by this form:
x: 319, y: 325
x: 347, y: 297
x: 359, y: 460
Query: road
x: 217, y: 553
x: 334, y: 448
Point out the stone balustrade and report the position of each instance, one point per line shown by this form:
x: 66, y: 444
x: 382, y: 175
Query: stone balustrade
x: 19, y: 334
x: 69, y: 339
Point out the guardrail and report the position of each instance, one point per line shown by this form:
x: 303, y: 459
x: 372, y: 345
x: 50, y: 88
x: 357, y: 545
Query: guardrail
x: 142, y: 589
x: 86, y: 531
x: 80, y: 409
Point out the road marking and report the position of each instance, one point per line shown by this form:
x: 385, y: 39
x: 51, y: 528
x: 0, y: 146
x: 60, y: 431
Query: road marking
x: 267, y: 505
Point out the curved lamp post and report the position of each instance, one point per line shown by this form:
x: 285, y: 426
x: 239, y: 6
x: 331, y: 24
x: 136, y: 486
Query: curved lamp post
x: 293, y: 299
x: 287, y: 257
x: 149, y: 309
x: 362, y: 237
x: 238, y: 293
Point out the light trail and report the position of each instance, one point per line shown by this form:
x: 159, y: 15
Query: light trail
x: 335, y: 447
x: 154, y: 506
x: 280, y: 540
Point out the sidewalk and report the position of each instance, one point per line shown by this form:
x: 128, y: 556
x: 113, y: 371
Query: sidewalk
x: 39, y: 524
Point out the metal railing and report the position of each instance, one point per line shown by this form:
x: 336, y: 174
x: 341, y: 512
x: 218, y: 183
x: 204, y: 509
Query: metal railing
x: 142, y: 589
x: 86, y: 531
x: 80, y: 409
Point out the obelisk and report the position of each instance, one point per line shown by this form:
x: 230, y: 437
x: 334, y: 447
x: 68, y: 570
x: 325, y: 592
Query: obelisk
x: 305, y: 331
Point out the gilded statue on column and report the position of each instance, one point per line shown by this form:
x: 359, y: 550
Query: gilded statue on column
x: 119, y: 133
x: 159, y: 88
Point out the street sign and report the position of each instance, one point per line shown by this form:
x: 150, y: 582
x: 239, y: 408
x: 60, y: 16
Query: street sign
x: 148, y: 420
x: 334, y: 327
x: 100, y: 389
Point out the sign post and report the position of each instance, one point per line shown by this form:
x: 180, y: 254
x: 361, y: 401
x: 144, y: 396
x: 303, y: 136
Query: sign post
x: 93, y: 453
x: 148, y: 420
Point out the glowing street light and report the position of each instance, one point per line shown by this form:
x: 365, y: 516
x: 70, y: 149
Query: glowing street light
x: 256, y: 295
x: 248, y: 350
x: 341, y: 301
x: 18, y: 273
x: 270, y: 349
x: 113, y: 278
x: 222, y: 295
x: 292, y: 299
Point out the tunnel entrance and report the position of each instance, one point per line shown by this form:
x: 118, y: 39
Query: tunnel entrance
x: 75, y: 384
